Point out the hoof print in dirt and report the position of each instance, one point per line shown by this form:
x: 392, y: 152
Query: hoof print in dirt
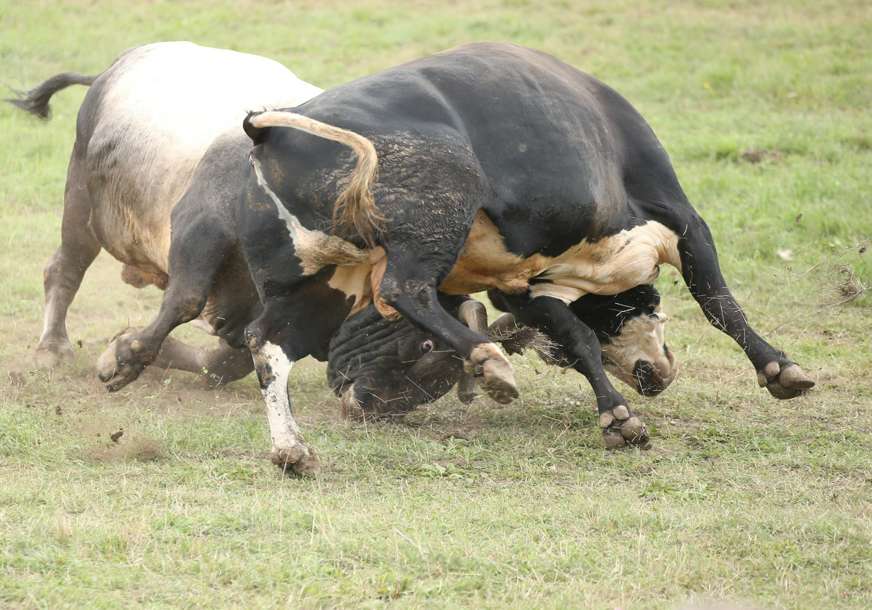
x: 620, y: 428
x: 784, y: 379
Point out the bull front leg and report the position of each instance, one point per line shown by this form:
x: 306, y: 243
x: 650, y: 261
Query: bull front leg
x: 579, y: 347
x: 196, y: 253
x: 702, y: 274
x: 279, y: 337
x: 135, y: 349
x: 273, y: 367
x: 409, y: 286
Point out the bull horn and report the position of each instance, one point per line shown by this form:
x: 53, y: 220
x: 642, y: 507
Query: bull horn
x: 504, y: 325
x: 515, y: 338
x: 474, y: 315
x: 355, y: 206
x: 506, y: 331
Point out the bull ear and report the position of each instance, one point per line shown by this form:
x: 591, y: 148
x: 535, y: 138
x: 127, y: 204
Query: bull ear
x: 257, y: 134
x: 474, y: 315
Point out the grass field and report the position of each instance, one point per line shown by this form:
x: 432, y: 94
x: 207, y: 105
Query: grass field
x: 764, y: 107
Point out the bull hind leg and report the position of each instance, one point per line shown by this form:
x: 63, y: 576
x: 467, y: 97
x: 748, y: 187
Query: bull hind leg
x: 66, y: 268
x: 702, y: 274
x: 578, y: 345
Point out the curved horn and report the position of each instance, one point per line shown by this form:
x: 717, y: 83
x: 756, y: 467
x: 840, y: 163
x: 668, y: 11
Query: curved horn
x: 504, y: 325
x: 515, y: 338
x: 474, y: 315
x: 355, y: 206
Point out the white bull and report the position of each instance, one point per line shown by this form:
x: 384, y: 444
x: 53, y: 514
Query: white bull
x: 143, y: 128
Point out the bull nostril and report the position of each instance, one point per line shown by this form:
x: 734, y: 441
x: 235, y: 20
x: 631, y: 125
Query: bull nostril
x: 648, y: 382
x: 350, y: 404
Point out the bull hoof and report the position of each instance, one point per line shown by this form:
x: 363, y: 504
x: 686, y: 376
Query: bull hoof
x: 51, y: 355
x: 489, y: 363
x: 498, y: 379
x: 298, y: 460
x: 465, y: 395
x: 620, y: 427
x: 784, y: 379
x: 124, y: 360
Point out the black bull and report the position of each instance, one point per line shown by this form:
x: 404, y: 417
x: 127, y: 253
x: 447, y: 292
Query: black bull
x: 499, y: 168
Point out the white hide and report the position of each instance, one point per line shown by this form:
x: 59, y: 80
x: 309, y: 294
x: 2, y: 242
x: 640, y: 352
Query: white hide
x: 283, y: 428
x: 163, y: 105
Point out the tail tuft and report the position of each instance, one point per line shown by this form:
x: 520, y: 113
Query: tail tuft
x: 36, y: 101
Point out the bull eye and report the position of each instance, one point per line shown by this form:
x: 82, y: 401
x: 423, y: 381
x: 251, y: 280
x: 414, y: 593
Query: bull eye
x: 426, y: 346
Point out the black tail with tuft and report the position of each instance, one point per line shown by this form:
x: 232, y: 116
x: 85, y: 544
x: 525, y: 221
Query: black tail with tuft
x: 36, y: 100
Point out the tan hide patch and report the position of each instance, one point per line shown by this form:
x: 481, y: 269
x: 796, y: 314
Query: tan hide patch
x: 379, y: 262
x: 608, y: 266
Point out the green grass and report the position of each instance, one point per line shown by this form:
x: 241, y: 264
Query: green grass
x: 743, y: 498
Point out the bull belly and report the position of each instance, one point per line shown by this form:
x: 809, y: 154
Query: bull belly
x: 565, y: 281
x: 608, y: 266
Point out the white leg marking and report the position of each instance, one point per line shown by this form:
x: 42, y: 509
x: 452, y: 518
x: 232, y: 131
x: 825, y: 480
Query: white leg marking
x: 283, y: 428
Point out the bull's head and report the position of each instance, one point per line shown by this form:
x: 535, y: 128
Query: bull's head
x: 630, y: 327
x: 383, y: 367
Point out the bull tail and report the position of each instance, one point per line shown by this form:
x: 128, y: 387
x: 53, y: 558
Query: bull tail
x: 355, y: 207
x: 36, y: 100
